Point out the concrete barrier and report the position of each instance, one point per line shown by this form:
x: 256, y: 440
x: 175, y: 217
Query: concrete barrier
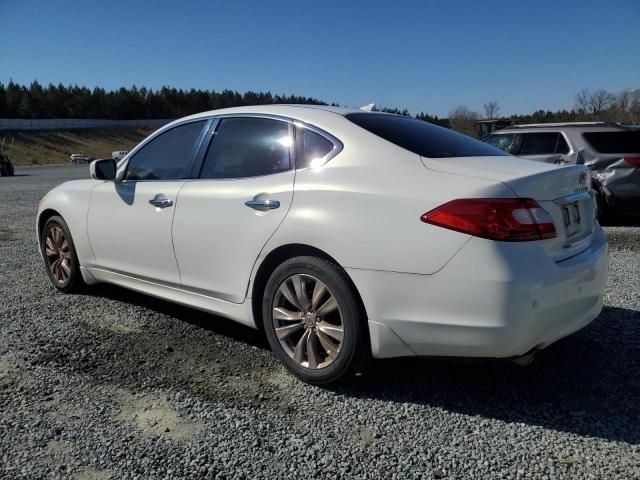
x: 73, y: 123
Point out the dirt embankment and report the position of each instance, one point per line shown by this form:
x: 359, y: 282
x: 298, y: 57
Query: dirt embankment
x: 42, y: 147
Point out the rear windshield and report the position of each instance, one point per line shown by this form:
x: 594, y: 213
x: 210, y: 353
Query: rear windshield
x: 614, y: 142
x: 422, y: 138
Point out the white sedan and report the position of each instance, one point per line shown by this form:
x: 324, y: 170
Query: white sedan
x: 342, y: 234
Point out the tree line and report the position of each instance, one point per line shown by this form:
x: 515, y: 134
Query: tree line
x: 589, y: 105
x: 61, y: 101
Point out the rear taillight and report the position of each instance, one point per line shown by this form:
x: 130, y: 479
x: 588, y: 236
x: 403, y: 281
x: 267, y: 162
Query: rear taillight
x: 633, y: 161
x: 504, y: 219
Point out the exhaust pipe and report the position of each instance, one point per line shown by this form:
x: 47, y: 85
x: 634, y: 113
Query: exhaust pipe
x: 526, y: 359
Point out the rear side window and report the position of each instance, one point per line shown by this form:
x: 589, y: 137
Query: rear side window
x: 539, y: 143
x: 422, y: 138
x: 248, y: 147
x: 169, y: 156
x: 614, y: 142
x: 312, y: 147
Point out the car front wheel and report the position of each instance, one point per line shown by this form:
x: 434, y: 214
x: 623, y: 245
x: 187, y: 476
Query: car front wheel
x: 60, y: 256
x: 313, y: 321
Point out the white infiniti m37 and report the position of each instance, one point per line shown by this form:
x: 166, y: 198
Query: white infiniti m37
x: 341, y: 234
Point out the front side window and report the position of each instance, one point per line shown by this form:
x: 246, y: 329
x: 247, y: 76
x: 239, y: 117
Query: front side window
x: 248, y: 147
x: 422, y: 138
x: 542, y: 143
x: 503, y: 141
x: 169, y: 156
x: 312, y: 147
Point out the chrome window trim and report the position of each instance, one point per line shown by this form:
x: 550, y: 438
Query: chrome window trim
x: 210, y: 129
x: 338, y: 146
x: 122, y: 166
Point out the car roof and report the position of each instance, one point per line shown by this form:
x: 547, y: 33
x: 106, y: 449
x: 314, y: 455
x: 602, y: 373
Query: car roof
x: 322, y: 116
x: 288, y: 110
x: 555, y: 127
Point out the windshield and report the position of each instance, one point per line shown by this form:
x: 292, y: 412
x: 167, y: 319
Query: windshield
x: 422, y: 138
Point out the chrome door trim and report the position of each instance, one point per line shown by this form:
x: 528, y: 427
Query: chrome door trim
x: 576, y: 197
x: 161, y: 201
x: 263, y: 205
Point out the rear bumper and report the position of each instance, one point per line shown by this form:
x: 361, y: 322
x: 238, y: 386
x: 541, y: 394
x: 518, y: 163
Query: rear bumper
x: 492, y: 299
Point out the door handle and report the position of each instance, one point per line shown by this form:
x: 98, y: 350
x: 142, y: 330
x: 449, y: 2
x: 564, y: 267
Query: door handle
x: 161, y: 201
x: 262, y: 205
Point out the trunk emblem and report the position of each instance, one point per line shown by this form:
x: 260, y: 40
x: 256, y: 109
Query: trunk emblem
x: 582, y: 179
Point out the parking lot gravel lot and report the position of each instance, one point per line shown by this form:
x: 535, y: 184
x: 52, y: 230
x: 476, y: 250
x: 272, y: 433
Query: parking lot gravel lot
x: 115, y: 384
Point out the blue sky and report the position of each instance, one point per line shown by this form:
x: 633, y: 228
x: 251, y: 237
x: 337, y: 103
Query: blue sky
x: 422, y: 55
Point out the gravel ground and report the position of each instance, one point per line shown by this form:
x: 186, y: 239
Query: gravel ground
x: 115, y: 384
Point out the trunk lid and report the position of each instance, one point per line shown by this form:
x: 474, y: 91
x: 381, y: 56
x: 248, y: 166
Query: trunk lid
x: 563, y: 191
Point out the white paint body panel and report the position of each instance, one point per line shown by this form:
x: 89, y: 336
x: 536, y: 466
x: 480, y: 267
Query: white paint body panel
x: 493, y: 299
x: 217, y: 237
x: 426, y: 290
x: 129, y: 235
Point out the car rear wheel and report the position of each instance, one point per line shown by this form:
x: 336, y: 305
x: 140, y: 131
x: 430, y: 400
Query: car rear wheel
x: 60, y: 256
x: 313, y: 321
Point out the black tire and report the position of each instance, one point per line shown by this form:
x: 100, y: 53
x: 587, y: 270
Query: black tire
x: 603, y: 210
x: 354, y: 352
x: 3, y: 170
x: 10, y: 170
x: 71, y: 281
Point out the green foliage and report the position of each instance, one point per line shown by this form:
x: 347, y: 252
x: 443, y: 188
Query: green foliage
x: 60, y: 101
x: 36, y: 101
x: 548, y: 116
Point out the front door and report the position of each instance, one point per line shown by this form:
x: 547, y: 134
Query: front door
x: 224, y: 219
x: 129, y: 222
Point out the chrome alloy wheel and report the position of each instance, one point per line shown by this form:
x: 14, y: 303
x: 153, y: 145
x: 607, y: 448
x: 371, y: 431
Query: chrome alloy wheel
x: 58, y: 254
x: 307, y: 321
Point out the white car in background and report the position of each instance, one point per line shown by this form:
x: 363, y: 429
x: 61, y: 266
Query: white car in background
x: 341, y: 234
x: 118, y: 155
x: 80, y: 158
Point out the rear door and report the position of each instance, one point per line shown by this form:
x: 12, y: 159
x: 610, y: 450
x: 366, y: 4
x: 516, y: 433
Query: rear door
x: 244, y: 190
x: 129, y: 223
x: 550, y: 147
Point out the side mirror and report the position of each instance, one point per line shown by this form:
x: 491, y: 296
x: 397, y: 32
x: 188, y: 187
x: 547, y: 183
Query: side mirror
x: 104, y: 169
